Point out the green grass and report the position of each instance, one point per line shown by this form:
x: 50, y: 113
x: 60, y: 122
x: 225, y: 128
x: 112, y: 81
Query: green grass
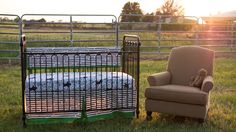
x: 221, y: 116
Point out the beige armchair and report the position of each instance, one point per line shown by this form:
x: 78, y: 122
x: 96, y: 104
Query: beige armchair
x: 169, y: 91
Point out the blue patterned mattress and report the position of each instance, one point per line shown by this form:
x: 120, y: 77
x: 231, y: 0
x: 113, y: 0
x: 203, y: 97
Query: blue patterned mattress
x: 86, y: 81
x: 98, y: 56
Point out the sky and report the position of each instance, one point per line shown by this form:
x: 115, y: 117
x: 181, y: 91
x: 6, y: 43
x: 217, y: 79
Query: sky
x: 192, y: 7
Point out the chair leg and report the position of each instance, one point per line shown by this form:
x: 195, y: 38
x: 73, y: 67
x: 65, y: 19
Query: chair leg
x: 201, y: 121
x: 149, y: 116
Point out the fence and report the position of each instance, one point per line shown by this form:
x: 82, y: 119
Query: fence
x: 158, y: 33
x: 165, y: 32
x: 10, y: 31
x: 70, y: 30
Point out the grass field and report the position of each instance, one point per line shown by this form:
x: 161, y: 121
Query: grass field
x: 221, y: 116
x: 222, y: 112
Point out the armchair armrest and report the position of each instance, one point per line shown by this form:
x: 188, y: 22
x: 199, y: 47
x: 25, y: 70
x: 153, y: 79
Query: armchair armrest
x: 159, y: 79
x: 207, y: 84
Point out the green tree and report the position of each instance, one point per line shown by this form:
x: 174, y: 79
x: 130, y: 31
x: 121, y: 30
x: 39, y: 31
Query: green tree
x: 42, y: 20
x: 131, y: 8
x: 5, y: 19
x: 171, y: 7
x: 17, y: 19
x: 148, y: 17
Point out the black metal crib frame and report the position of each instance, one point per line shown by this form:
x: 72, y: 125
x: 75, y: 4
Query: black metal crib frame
x: 79, y: 86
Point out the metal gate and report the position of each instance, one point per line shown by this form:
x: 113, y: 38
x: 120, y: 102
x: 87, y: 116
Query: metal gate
x: 83, y: 30
x: 158, y: 35
x: 161, y: 33
x: 10, y: 27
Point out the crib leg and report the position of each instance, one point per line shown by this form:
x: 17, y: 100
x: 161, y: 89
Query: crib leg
x: 24, y: 124
x: 137, y: 113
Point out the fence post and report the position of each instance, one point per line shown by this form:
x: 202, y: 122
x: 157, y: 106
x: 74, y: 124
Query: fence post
x: 117, y: 32
x: 159, y: 34
x: 20, y: 25
x: 232, y: 36
x: 196, y: 42
x: 71, y: 32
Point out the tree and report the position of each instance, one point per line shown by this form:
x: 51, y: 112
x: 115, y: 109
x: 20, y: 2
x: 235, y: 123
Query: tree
x: 131, y: 8
x: 5, y: 19
x: 17, y: 19
x: 148, y: 17
x: 42, y: 20
x: 171, y: 7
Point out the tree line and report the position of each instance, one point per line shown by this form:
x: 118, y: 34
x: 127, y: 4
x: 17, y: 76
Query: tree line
x: 6, y: 19
x: 168, y: 8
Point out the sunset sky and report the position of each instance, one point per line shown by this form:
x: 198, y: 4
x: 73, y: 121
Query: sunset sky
x: 192, y: 7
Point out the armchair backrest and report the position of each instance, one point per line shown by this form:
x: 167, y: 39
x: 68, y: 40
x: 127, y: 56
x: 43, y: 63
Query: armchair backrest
x: 185, y: 62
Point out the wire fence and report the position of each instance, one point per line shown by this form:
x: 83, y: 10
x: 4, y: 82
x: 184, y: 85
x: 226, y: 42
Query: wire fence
x: 159, y: 34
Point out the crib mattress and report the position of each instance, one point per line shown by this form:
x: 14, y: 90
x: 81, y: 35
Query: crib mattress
x: 86, y: 81
x: 98, y: 56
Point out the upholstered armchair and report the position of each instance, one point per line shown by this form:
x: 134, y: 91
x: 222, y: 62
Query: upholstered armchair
x: 170, y: 92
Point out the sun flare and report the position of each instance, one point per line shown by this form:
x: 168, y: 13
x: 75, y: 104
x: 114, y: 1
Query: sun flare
x: 207, y: 8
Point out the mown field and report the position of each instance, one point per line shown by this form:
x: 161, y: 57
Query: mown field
x: 221, y: 115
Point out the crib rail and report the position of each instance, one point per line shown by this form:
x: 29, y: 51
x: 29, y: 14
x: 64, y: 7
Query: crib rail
x: 73, y: 59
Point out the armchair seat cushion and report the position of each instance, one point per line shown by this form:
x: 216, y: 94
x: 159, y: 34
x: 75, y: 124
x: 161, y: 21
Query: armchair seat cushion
x: 177, y: 93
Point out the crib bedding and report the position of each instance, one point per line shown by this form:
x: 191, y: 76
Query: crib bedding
x: 98, y: 56
x: 72, y: 49
x: 86, y: 81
